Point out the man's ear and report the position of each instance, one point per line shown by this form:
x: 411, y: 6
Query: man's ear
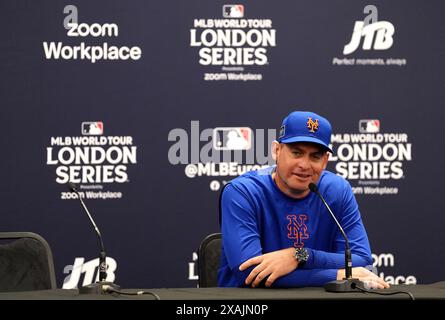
x: 326, y: 159
x: 275, y: 149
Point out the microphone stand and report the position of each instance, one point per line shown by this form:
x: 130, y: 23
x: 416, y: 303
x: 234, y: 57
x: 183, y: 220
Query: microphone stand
x: 348, y: 283
x: 102, y: 286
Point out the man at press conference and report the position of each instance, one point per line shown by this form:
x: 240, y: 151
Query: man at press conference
x: 276, y: 230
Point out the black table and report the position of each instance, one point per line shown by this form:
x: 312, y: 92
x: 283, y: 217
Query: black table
x: 419, y: 292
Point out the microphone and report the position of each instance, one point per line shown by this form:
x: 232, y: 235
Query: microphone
x: 348, y: 284
x: 101, y: 286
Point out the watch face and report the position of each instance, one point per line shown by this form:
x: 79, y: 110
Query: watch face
x: 301, y: 255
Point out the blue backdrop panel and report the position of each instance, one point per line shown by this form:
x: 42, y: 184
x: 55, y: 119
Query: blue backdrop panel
x: 136, y: 101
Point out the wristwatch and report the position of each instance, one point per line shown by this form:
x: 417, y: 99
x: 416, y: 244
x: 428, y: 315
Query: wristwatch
x: 302, y: 255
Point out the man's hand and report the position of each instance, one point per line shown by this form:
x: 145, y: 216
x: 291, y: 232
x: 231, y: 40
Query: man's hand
x: 271, y: 265
x: 370, y: 279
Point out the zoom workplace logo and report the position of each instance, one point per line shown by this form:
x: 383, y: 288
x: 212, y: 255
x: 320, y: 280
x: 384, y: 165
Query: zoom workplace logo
x: 103, y: 52
x: 220, y: 151
x: 384, y: 261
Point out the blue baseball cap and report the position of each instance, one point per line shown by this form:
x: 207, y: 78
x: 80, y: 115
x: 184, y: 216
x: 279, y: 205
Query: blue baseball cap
x: 304, y: 126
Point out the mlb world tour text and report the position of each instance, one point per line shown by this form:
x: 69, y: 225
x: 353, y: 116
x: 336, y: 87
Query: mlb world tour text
x: 91, y: 159
x: 231, y: 42
x: 371, y: 156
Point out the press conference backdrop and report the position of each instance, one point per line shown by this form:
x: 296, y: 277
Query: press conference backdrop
x: 150, y: 107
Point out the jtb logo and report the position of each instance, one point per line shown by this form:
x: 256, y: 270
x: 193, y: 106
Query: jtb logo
x: 297, y: 229
x: 371, y: 29
x: 89, y: 268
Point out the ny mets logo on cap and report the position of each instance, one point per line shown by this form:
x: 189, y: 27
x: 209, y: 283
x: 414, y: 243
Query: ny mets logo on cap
x: 304, y: 126
x: 312, y: 125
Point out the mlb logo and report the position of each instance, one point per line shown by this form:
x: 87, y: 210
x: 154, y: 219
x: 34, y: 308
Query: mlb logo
x: 369, y: 126
x: 282, y: 131
x: 234, y: 138
x: 233, y: 11
x: 92, y: 128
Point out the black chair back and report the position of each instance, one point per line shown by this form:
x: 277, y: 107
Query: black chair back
x: 209, y: 253
x: 26, y: 262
